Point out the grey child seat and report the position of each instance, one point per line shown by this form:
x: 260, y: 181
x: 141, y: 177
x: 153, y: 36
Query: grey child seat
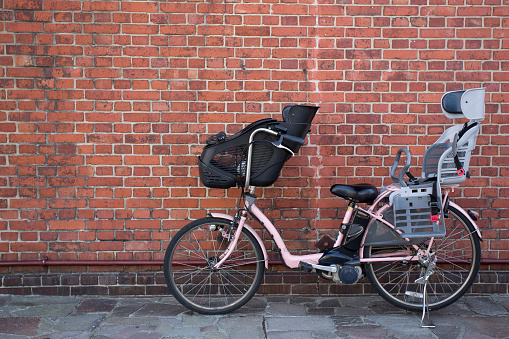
x: 417, y: 206
x: 438, y: 161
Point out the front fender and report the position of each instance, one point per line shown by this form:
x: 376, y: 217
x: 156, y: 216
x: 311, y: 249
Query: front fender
x: 251, y: 230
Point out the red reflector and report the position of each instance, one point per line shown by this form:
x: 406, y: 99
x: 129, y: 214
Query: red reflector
x: 434, y: 218
x: 460, y: 172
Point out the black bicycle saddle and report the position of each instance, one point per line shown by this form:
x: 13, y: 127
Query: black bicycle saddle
x: 359, y: 193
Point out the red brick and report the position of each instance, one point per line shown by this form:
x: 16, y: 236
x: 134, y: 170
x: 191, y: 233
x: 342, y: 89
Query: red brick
x: 363, y: 10
x: 474, y: 11
x: 440, y: 55
x: 401, y: 10
x: 23, y: 4
x: 97, y: 6
x: 436, y: 33
x: 104, y: 181
x: 139, y: 7
x: 147, y: 224
x: 101, y: 28
x: 178, y: 29
x: 252, y: 31
x: 437, y: 11
x: 140, y: 29
x: 32, y: 27
x: 400, y: 54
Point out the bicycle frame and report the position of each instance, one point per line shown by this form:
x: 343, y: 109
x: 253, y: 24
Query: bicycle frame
x: 292, y: 261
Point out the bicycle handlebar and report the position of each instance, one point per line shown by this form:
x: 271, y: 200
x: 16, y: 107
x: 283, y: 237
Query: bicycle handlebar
x: 401, y: 177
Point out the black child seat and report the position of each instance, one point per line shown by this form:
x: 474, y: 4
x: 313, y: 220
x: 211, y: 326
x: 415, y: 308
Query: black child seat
x: 224, y: 160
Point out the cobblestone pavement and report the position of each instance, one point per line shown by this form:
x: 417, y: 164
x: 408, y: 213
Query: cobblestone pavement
x: 263, y: 317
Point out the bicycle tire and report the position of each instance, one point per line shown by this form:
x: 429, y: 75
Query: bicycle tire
x: 458, y: 259
x: 191, y: 278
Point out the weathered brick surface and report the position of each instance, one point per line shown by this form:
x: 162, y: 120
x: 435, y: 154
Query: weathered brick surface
x: 104, y: 106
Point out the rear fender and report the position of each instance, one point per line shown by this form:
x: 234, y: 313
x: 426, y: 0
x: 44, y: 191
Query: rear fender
x: 249, y: 229
x: 465, y: 214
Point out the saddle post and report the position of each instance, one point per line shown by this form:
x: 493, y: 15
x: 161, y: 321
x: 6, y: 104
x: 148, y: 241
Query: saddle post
x: 345, y: 224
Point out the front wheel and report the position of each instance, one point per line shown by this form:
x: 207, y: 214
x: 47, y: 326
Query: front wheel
x: 189, y: 267
x: 458, y: 256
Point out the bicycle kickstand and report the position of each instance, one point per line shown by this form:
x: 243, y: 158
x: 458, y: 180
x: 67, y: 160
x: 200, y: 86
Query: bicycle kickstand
x: 428, y: 323
x: 423, y: 280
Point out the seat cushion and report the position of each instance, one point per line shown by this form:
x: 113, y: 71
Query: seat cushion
x: 359, y: 193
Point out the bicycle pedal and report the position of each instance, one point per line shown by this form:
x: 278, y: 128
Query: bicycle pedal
x: 306, y: 267
x: 414, y: 294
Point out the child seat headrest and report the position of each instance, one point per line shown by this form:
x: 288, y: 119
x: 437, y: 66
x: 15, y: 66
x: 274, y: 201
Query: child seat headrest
x: 464, y: 104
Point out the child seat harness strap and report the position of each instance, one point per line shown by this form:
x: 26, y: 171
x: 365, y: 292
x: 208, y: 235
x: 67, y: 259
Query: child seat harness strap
x: 435, y: 208
x: 459, y: 167
x: 457, y: 163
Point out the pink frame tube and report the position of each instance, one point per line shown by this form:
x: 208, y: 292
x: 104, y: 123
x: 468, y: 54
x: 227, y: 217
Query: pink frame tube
x: 232, y: 244
x: 378, y: 216
x: 251, y: 230
x: 292, y: 261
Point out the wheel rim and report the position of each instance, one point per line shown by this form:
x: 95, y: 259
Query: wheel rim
x: 456, y: 265
x: 205, y: 288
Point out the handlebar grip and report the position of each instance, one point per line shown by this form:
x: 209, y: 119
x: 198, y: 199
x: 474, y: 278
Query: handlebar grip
x: 293, y: 138
x: 401, y: 177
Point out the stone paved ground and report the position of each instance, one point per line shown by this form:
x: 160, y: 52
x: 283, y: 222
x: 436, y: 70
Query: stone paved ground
x: 263, y: 317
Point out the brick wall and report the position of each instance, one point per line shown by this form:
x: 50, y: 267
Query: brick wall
x: 106, y: 104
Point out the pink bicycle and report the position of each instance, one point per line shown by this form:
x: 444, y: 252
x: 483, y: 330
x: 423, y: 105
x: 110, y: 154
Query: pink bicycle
x: 418, y: 249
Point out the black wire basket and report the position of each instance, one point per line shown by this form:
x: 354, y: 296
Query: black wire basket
x: 223, y: 162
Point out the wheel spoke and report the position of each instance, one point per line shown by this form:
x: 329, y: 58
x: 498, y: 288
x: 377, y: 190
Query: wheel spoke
x: 232, y: 283
x: 206, y: 289
x: 443, y: 245
x: 191, y: 274
x: 200, y: 285
x: 457, y: 255
x: 243, y: 263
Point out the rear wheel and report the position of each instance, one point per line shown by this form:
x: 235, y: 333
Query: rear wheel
x: 190, y: 273
x: 457, y: 254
